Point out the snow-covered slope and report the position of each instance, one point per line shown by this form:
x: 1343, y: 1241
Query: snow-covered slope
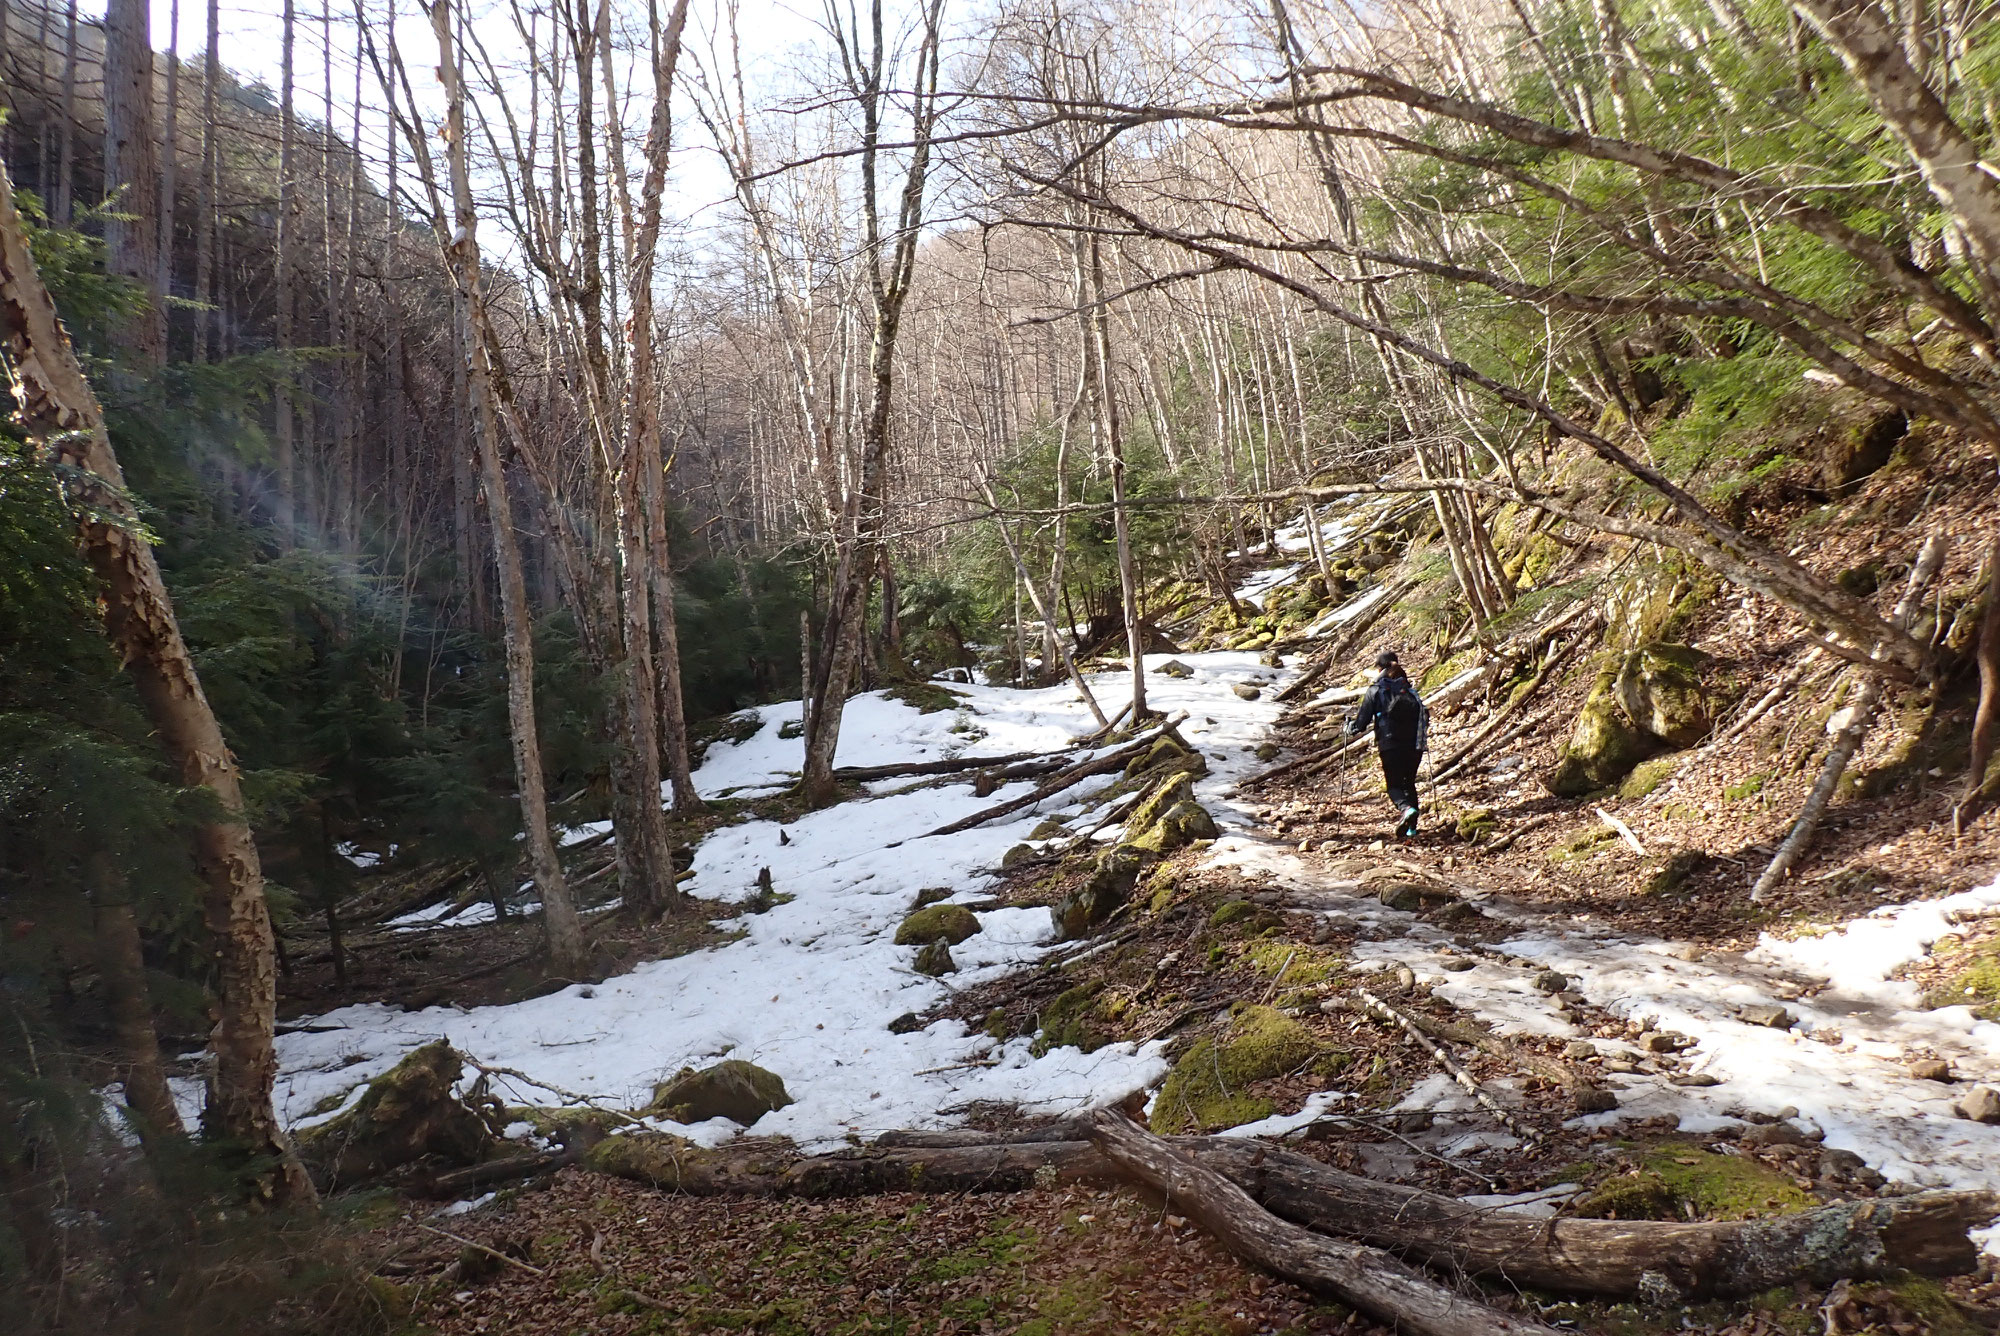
x: 810, y: 988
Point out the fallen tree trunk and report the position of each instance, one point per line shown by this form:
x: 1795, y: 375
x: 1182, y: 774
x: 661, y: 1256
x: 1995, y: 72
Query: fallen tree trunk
x: 1923, y: 1233
x: 854, y: 774
x: 1368, y: 1278
x: 1342, y: 647
x: 1076, y: 774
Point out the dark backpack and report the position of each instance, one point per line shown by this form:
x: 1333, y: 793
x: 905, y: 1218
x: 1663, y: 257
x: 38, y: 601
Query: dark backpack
x: 1403, y: 709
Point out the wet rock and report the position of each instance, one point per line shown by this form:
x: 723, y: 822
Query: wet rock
x: 1982, y: 1105
x: 1550, y: 981
x: 1247, y: 691
x: 1931, y: 1069
x: 954, y: 923
x: 1766, y: 1014
x: 740, y: 1091
x: 1174, y: 668
x: 935, y: 960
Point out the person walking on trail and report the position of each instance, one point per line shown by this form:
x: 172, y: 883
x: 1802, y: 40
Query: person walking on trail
x: 1402, y: 731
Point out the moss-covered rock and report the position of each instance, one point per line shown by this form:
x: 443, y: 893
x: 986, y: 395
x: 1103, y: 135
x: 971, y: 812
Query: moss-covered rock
x: 406, y: 1114
x: 1659, y: 689
x: 656, y: 1158
x: 1107, y: 889
x: 1972, y: 978
x: 1207, y: 1089
x: 1647, y: 776
x: 1167, y: 756
x: 1178, y: 826
x: 1172, y: 789
x: 1174, y: 668
x: 1477, y: 825
x: 734, y: 1089
x: 954, y: 923
x: 1602, y: 748
x: 935, y: 959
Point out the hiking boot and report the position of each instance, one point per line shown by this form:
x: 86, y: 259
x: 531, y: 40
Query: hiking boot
x: 1409, y: 826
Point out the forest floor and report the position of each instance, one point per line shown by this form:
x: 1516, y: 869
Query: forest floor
x: 1663, y: 1045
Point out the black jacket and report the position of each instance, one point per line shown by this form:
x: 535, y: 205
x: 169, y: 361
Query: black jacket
x: 1392, y: 734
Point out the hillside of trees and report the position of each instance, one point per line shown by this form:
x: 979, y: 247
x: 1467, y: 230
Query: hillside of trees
x: 450, y: 563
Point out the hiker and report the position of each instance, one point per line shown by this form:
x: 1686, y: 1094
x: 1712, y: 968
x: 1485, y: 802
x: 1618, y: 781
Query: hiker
x: 1402, y: 731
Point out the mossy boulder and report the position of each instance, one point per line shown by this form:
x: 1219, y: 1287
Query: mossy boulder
x: 1174, y: 668
x: 1208, y: 1088
x: 1109, y: 886
x: 1647, y: 776
x: 1659, y: 689
x: 1178, y: 826
x: 935, y: 960
x: 954, y: 923
x: 740, y: 1091
x: 1167, y: 756
x: 1166, y: 793
x: 408, y: 1113
x: 1476, y: 825
x: 1602, y: 748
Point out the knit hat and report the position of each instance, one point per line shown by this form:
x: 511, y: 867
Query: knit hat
x: 1387, y: 659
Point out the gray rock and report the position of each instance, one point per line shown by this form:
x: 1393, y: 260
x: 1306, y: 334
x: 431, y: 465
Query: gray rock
x: 1456, y: 964
x: 1931, y: 1069
x: 1981, y: 1105
x: 1839, y: 1163
x: 1698, y: 1080
x: 1660, y: 1041
x: 1767, y: 1014
x: 1594, y: 1099
x: 935, y: 959
x: 1775, y: 1134
x: 1579, y: 1048
x: 1174, y: 668
x: 1247, y: 691
x: 1549, y: 981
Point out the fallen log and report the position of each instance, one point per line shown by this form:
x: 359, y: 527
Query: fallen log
x: 1351, y: 637
x: 1924, y: 1233
x: 861, y: 774
x: 1367, y: 1278
x: 1074, y: 775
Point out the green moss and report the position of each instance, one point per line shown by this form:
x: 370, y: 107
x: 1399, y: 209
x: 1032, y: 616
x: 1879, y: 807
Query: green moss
x: 1973, y: 979
x: 1310, y: 966
x: 1602, y: 748
x: 1647, y: 776
x: 1681, y: 1182
x: 1207, y: 1088
x: 954, y: 923
x: 1746, y: 788
x: 925, y: 697
x: 1072, y: 1020
x: 1162, y: 887
x: 1583, y: 844
x: 1230, y: 911
x: 1475, y: 825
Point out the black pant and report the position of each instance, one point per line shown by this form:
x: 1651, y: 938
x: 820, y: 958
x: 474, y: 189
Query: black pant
x: 1399, y: 769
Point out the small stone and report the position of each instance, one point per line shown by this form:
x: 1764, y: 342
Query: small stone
x: 1457, y: 964
x: 1270, y: 658
x: 1622, y: 1066
x: 1698, y: 1080
x: 1549, y: 981
x: 1659, y: 1041
x: 1579, y: 1048
x: 907, y: 1023
x: 1174, y: 668
x: 1982, y: 1105
x: 1405, y: 977
x: 1839, y: 1163
x: 1247, y: 691
x: 1775, y: 1134
x: 1930, y: 1069
x: 1766, y: 1014
x: 935, y: 959
x: 1594, y: 1099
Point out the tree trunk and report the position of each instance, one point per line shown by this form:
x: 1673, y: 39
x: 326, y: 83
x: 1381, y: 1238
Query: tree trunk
x: 57, y: 409
x: 1987, y: 721
x: 1114, y: 437
x: 559, y: 917
x: 205, y: 222
x: 123, y: 967
x: 287, y: 227
x: 132, y: 170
